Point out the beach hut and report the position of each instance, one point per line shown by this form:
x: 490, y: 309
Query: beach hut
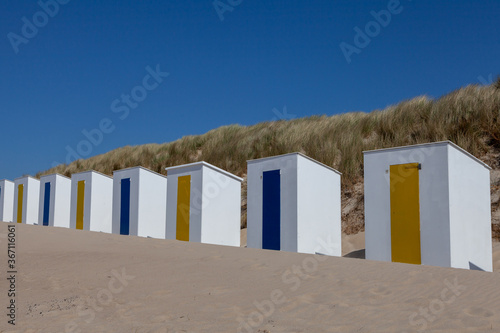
x: 55, y: 198
x: 294, y: 205
x: 91, y: 201
x: 26, y: 200
x: 428, y: 204
x: 6, y: 201
x: 139, y: 202
x: 204, y: 204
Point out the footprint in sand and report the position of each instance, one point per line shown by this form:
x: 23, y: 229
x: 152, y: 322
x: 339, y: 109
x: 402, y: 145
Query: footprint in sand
x: 163, y: 292
x: 479, y: 312
x: 417, y: 301
x: 380, y: 291
x: 160, y: 319
x: 254, y: 267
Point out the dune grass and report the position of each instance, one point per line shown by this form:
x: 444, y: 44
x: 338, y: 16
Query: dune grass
x: 468, y: 116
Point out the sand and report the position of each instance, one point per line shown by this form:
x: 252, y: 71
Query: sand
x: 79, y: 281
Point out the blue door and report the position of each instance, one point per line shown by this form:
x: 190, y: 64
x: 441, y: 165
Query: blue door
x: 271, y: 210
x: 46, y: 204
x: 125, y: 207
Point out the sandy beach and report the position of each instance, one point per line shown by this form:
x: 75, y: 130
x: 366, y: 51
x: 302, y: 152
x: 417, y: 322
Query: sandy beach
x: 79, y: 281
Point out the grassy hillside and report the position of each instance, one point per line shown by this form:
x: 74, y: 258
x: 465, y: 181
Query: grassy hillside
x: 468, y: 116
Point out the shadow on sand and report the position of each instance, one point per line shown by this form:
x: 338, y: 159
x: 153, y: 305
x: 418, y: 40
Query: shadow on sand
x: 358, y: 254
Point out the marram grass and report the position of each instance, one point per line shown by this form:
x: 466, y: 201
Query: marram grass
x: 468, y: 116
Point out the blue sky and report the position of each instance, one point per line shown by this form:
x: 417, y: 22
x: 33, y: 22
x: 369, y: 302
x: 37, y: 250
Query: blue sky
x: 263, y: 55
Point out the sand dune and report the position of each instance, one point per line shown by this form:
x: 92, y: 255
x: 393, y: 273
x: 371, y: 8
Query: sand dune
x: 78, y: 281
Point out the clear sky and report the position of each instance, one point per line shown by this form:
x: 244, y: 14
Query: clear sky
x: 80, y: 65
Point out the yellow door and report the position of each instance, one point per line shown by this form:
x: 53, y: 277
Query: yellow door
x: 405, y: 213
x: 183, y: 204
x: 20, y: 197
x: 80, y: 204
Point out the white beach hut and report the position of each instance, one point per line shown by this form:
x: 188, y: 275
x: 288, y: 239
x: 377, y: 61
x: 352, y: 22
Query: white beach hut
x: 55, y: 198
x: 6, y: 201
x: 294, y: 205
x: 428, y: 204
x: 91, y: 201
x: 26, y: 200
x: 139, y: 202
x: 204, y: 204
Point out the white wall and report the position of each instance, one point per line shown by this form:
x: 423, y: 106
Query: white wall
x: 171, y: 225
x: 195, y: 204
x: 319, y: 208
x: 433, y: 190
x: 98, y: 201
x: 7, y: 201
x: 221, y: 217
x: 288, y: 166
x: 434, y: 206
x: 101, y: 207
x: 152, y: 204
x: 470, y: 212
x: 30, y: 199
x: 60, y: 200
